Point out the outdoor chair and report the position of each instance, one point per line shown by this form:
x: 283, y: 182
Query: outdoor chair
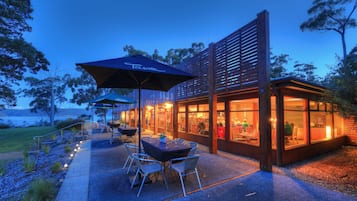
x: 146, y: 166
x: 186, y: 167
x: 194, y: 146
x: 179, y: 140
x: 131, y: 148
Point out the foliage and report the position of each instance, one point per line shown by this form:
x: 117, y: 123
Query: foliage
x: 3, y: 125
x: 56, y: 167
x: 67, y: 122
x: 16, y: 139
x: 46, y: 149
x: 277, y: 65
x: 41, y: 190
x: 302, y: 71
x: 3, y: 165
x: 16, y: 55
x: 45, y: 93
x: 29, y: 164
x: 331, y: 15
x: 84, y: 87
x: 67, y: 149
x: 343, y: 85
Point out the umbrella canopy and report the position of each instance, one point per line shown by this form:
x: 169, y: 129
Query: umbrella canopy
x: 112, y: 98
x: 136, y: 72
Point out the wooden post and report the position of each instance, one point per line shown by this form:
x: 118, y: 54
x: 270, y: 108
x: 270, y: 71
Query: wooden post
x: 279, y: 128
x: 264, y: 91
x: 212, y: 100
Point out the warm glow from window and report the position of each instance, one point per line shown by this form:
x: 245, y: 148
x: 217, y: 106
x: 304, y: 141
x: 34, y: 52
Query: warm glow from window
x: 328, y: 132
x: 168, y: 105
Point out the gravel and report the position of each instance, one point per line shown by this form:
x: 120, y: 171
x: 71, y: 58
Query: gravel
x: 15, y: 182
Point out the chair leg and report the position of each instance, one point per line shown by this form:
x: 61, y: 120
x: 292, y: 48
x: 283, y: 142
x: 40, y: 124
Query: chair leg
x: 198, y: 179
x: 131, y: 164
x: 164, y: 178
x: 141, y: 186
x: 126, y: 162
x: 182, y: 185
x: 133, y: 182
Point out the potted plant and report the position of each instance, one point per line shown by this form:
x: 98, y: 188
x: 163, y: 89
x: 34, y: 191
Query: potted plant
x: 162, y: 138
x: 288, y: 129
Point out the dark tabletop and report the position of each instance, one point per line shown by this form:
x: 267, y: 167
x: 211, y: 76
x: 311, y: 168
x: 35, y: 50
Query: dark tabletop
x: 164, y: 151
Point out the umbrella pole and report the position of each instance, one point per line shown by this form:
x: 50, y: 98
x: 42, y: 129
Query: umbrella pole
x: 139, y: 122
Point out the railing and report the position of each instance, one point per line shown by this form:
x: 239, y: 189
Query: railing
x: 40, y: 138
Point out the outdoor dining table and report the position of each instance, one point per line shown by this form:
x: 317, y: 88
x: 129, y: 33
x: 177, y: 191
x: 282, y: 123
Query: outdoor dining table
x: 127, y: 131
x: 164, y: 151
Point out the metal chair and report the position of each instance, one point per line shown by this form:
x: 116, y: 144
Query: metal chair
x: 194, y: 146
x: 130, y: 148
x: 186, y: 167
x: 146, y: 166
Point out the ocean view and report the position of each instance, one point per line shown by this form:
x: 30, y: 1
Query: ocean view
x: 23, y: 118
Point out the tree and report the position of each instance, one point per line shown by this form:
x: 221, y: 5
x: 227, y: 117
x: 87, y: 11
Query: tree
x: 84, y: 87
x: 331, y: 15
x: 277, y: 63
x: 343, y: 85
x: 45, y: 94
x: 16, y: 55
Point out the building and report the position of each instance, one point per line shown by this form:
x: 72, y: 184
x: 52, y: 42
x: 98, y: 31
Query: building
x: 278, y: 121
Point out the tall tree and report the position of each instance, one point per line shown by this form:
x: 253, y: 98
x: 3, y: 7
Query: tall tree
x: 344, y: 85
x: 277, y: 64
x: 16, y: 55
x: 331, y: 15
x: 45, y: 93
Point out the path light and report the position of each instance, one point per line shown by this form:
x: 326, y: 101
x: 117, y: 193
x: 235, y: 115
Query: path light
x: 65, y: 165
x: 80, y: 142
x: 77, y: 145
x: 71, y: 155
x: 79, y: 148
x: 75, y: 150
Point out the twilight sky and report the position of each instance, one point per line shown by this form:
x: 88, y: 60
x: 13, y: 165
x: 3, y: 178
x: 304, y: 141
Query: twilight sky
x: 72, y: 31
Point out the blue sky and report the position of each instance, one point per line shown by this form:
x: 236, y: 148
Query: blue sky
x: 72, y: 31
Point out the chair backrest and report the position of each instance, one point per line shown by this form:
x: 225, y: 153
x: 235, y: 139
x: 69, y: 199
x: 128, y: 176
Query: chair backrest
x: 138, y: 158
x: 193, y: 146
x: 190, y: 162
x: 131, y: 148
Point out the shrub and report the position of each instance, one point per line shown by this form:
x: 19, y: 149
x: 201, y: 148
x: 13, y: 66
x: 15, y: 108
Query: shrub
x: 29, y: 164
x: 4, y: 126
x: 56, y: 167
x: 67, y: 149
x: 46, y: 149
x: 41, y: 190
x: 2, y: 168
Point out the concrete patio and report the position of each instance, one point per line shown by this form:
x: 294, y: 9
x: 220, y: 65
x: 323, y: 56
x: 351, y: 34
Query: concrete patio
x: 96, y: 174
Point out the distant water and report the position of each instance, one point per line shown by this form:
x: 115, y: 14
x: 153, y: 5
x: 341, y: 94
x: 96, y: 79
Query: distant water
x: 23, y: 121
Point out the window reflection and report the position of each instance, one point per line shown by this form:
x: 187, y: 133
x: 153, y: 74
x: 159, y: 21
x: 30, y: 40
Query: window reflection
x: 295, y: 118
x: 244, y: 116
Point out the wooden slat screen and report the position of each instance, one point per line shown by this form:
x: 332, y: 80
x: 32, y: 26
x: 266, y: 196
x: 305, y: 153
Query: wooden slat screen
x: 235, y: 63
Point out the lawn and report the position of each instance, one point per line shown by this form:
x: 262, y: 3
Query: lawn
x: 16, y: 139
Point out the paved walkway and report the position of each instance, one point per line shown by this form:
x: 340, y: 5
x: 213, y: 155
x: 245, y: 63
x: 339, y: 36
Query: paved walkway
x: 95, y: 174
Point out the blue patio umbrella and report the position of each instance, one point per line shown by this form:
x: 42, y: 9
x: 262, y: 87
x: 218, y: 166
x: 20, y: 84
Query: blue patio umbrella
x: 111, y: 100
x: 136, y: 72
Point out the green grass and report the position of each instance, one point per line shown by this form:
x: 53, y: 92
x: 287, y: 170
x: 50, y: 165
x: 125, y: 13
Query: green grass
x: 16, y: 139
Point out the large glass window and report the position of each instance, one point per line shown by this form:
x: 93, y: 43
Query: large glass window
x: 221, y: 121
x: 244, y: 121
x: 181, y: 118
x: 320, y: 121
x: 338, y: 123
x: 295, y: 121
x: 198, y: 119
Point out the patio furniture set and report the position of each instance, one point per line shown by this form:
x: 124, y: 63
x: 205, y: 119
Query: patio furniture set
x: 157, y: 157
